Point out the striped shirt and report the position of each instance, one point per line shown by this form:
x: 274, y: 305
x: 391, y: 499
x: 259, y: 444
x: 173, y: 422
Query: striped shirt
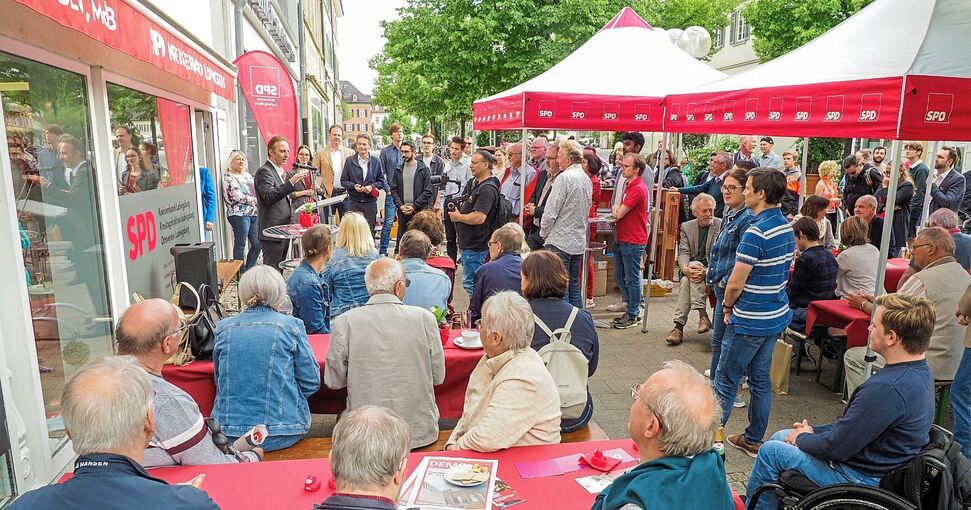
x: 722, y: 259
x: 767, y: 245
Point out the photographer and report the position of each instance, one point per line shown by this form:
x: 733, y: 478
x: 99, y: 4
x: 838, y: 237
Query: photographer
x: 411, y: 188
x: 456, y: 172
x: 474, y: 215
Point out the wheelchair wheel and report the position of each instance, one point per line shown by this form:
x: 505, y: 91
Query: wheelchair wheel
x: 853, y: 497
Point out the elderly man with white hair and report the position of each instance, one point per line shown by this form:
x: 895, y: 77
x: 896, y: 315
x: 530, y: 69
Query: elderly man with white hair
x: 389, y: 354
x: 948, y: 220
x: 511, y: 399
x: 673, y: 421
x: 694, y: 246
x: 368, y: 460
x: 107, y: 410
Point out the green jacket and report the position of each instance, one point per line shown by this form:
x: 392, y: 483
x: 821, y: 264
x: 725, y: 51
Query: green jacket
x: 685, y: 483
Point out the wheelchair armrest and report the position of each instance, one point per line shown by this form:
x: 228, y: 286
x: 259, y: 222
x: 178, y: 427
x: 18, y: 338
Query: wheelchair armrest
x: 795, y: 482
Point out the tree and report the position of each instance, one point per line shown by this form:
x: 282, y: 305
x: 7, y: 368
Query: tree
x: 396, y: 116
x: 441, y: 55
x: 780, y: 26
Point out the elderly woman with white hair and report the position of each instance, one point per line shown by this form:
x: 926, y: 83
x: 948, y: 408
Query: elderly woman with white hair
x: 511, y: 399
x: 264, y: 366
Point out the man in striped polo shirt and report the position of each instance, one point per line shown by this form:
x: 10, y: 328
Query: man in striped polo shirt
x: 756, y: 304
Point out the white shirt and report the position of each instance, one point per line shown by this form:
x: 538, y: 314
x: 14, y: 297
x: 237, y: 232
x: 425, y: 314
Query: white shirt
x: 940, y: 177
x: 69, y: 172
x: 122, y: 164
x: 337, y: 163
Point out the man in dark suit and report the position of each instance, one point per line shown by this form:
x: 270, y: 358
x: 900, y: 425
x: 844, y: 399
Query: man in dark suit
x: 273, y: 198
x: 537, y: 199
x: 363, y: 179
x: 411, y: 188
x: 719, y: 165
x: 947, y: 189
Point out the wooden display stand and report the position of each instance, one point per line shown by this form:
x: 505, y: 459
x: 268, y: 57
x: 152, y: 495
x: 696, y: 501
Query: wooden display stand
x: 666, y: 254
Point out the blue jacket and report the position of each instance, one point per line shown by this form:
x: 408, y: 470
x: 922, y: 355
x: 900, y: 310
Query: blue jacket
x: 713, y: 187
x: 343, y: 276
x: 353, y: 174
x: 722, y: 259
x: 429, y: 286
x: 391, y: 159
x: 310, y: 298
x: 695, y: 483
x: 109, y: 482
x: 498, y: 275
x: 208, y: 190
x: 265, y: 370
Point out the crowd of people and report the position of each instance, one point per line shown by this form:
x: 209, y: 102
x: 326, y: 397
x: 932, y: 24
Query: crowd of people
x: 761, y: 258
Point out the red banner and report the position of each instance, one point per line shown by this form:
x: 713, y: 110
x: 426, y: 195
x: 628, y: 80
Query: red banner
x: 122, y: 27
x: 176, y: 138
x: 269, y: 92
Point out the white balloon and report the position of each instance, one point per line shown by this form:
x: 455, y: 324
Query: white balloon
x: 695, y: 41
x: 674, y: 34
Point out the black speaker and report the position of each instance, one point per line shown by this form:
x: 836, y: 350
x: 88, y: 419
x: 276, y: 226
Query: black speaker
x: 195, y: 264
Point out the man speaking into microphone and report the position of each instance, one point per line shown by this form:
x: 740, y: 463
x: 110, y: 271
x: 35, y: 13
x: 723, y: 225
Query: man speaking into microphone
x: 273, y: 198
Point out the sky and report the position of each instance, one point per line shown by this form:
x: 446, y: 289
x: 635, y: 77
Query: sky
x: 359, y: 39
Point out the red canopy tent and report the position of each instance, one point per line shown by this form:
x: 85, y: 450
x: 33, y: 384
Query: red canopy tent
x: 570, y: 96
x: 898, y: 69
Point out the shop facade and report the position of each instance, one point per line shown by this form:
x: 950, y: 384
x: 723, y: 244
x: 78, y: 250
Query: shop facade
x: 109, y: 111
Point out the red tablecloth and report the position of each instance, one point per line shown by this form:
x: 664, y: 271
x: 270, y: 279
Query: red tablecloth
x: 196, y: 379
x: 837, y: 313
x: 280, y: 484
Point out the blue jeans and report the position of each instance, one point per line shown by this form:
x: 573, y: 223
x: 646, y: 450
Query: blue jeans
x: 471, y: 262
x: 961, y: 403
x: 246, y: 227
x: 274, y: 443
x: 741, y: 355
x: 572, y: 264
x: 389, y: 212
x: 718, y: 329
x: 627, y: 272
x: 776, y: 456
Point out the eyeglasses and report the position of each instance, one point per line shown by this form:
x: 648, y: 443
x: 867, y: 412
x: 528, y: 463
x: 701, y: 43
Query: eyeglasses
x: 730, y: 188
x: 636, y: 396
x: 406, y: 281
x: 183, y: 326
x: 920, y: 246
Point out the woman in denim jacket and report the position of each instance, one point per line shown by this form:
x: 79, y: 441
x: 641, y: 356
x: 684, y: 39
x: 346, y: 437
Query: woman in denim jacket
x: 344, y: 273
x: 308, y: 294
x: 264, y: 366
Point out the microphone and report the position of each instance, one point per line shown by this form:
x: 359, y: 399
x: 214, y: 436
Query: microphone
x: 304, y: 167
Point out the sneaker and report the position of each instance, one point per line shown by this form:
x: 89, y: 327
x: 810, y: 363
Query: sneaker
x: 738, y: 441
x: 708, y: 373
x: 625, y: 321
x: 704, y: 325
x: 617, y: 307
x: 739, y: 401
x: 675, y: 337
x: 591, y: 303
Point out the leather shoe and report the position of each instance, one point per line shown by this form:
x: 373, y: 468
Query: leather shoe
x: 675, y: 337
x: 704, y: 325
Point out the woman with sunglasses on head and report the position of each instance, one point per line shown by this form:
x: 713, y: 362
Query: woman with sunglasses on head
x: 239, y: 194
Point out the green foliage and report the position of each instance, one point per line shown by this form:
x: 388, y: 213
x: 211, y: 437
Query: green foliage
x: 780, y: 26
x: 698, y: 155
x: 129, y: 105
x: 441, y: 55
x: 822, y: 149
x: 396, y: 116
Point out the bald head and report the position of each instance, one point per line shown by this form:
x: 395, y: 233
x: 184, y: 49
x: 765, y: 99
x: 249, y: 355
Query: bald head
x: 144, y: 326
x: 382, y: 275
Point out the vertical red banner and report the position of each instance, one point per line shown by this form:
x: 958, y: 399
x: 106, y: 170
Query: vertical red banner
x: 176, y: 139
x: 269, y: 92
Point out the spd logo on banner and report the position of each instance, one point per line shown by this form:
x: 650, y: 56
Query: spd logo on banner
x: 270, y: 94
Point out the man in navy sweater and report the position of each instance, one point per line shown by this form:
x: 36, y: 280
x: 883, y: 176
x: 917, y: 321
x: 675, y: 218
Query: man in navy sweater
x: 886, y: 421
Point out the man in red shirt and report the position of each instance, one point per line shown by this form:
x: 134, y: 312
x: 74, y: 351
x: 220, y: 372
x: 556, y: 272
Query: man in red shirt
x: 630, y: 238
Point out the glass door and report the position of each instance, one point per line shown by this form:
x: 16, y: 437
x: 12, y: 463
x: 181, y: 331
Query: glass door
x: 48, y: 133
x: 8, y: 489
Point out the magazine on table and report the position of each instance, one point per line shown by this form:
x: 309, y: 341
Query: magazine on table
x: 446, y: 483
x: 595, y: 484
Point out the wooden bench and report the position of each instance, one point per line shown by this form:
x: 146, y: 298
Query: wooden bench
x: 319, y: 447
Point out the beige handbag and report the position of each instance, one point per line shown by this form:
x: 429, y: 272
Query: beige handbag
x: 183, y: 355
x: 779, y: 370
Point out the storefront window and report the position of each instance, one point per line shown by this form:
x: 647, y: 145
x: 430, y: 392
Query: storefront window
x: 54, y: 179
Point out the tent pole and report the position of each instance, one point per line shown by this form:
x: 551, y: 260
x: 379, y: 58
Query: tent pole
x: 805, y: 168
x: 654, y: 215
x: 522, y: 189
x: 926, y: 208
x: 870, y: 357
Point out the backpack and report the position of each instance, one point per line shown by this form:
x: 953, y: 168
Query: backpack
x: 503, y: 210
x: 938, y: 478
x: 568, y: 366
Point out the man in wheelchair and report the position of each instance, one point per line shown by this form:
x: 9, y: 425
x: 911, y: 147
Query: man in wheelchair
x: 885, y: 423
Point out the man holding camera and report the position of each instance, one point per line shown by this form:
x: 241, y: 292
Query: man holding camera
x: 474, y: 215
x: 411, y: 188
x: 457, y: 173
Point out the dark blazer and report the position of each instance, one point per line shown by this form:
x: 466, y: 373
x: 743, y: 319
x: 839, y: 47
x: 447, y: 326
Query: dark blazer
x: 424, y: 191
x: 713, y: 187
x: 77, y: 224
x: 435, y: 163
x: 272, y: 198
x: 533, y: 240
x: 353, y: 174
x: 949, y: 194
x: 965, y: 211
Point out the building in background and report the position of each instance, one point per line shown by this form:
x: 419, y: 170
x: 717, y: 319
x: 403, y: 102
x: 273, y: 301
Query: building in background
x: 359, y: 112
x: 321, y: 99
x: 733, y: 45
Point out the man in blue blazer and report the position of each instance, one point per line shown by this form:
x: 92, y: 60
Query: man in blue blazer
x: 719, y: 165
x: 363, y: 179
x: 947, y: 189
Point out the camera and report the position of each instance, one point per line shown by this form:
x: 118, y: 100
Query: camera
x: 442, y: 180
x: 454, y: 203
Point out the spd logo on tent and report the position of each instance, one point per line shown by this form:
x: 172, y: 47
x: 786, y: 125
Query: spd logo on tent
x: 939, y: 107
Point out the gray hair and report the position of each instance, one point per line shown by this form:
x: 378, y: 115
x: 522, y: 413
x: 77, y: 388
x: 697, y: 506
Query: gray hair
x: 105, y: 405
x: 523, y: 248
x: 573, y: 150
x: 689, y: 411
x: 263, y: 285
x: 508, y: 314
x: 944, y: 218
x: 415, y: 245
x: 869, y: 200
x: 702, y: 197
x: 370, y: 445
x: 382, y: 274
x: 724, y: 158
x: 940, y: 238
x: 509, y: 238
